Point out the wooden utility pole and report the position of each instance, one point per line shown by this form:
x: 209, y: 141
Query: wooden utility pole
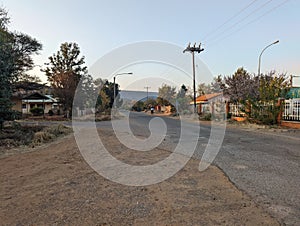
x: 193, y: 49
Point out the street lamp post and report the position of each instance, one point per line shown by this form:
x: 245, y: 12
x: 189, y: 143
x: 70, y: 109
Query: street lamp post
x: 125, y: 73
x: 259, y: 59
x: 194, y: 49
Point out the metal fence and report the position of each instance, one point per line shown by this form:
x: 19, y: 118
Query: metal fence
x: 235, y: 109
x: 291, y: 110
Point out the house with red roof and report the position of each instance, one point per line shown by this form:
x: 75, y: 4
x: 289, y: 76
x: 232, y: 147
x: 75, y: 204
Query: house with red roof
x: 210, y: 103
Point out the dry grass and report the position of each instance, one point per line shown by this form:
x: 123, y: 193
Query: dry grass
x: 15, y: 135
x: 49, y: 134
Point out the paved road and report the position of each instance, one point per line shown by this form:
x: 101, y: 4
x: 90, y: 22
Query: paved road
x: 264, y: 164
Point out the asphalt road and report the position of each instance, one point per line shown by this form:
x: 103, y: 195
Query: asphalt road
x: 264, y: 164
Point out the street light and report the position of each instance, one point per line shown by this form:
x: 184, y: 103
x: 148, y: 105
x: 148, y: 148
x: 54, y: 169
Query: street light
x: 259, y: 59
x: 125, y: 73
x: 194, y: 49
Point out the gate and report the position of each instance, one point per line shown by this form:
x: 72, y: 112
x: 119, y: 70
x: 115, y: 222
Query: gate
x: 291, y: 110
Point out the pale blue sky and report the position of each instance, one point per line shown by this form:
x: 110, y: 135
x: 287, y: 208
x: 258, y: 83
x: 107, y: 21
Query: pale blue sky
x: 100, y: 26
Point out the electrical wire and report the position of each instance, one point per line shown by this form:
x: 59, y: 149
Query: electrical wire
x: 241, y: 20
x: 228, y: 20
x: 244, y: 26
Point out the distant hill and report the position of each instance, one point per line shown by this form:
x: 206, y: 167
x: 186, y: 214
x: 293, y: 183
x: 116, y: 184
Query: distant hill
x: 137, y: 95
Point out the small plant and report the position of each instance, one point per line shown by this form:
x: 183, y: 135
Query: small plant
x: 50, y: 113
x: 37, y: 111
x: 207, y: 117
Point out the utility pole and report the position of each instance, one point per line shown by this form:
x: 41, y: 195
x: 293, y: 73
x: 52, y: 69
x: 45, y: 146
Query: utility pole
x: 147, y: 87
x: 193, y: 49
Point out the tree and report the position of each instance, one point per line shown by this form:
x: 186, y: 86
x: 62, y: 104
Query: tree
x: 259, y: 96
x: 16, y: 50
x: 64, y: 71
x: 216, y: 86
x: 272, y: 88
x: 182, y: 100
x: 105, y: 90
x: 204, y: 89
x: 241, y: 86
x: 150, y: 102
x: 29, y: 78
x: 103, y: 100
x: 167, y: 92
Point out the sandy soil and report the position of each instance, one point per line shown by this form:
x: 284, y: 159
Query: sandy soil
x: 53, y: 185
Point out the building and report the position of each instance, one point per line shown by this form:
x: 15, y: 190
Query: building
x: 23, y: 103
x: 210, y: 103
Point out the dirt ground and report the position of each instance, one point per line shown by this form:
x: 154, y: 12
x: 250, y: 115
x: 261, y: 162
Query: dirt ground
x: 53, y: 185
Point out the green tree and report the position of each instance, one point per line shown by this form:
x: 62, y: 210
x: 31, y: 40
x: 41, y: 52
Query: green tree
x: 167, y: 92
x: 29, y: 78
x: 272, y: 88
x: 64, y: 71
x: 216, y: 86
x: 16, y: 50
x: 103, y: 100
x: 106, y: 94
x: 150, y: 103
x: 138, y: 106
x: 182, y: 100
x: 204, y: 88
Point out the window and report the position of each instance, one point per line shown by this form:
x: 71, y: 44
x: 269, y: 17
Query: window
x: 23, y: 106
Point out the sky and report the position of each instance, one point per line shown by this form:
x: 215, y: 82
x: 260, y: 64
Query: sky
x: 233, y: 33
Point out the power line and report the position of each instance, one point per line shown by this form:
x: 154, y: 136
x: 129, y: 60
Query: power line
x: 241, y: 20
x: 228, y: 20
x: 252, y: 21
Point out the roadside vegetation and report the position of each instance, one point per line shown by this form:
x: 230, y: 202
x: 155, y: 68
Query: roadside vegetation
x: 15, y: 135
x: 259, y: 98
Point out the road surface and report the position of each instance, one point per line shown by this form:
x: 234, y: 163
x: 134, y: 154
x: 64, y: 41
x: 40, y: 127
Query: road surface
x: 263, y: 164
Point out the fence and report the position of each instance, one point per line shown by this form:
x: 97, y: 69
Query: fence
x: 291, y: 110
x: 235, y: 109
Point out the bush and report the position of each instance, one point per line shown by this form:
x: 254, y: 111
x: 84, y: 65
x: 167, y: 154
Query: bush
x: 205, y: 117
x: 58, y: 130
x: 49, y: 133
x: 42, y: 137
x: 50, y: 113
x: 186, y: 112
x: 37, y: 111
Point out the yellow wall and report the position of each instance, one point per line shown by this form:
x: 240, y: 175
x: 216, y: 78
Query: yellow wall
x: 17, y: 104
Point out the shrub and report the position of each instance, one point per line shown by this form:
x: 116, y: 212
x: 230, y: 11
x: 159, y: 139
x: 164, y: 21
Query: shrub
x: 49, y: 133
x: 207, y: 117
x: 37, y: 111
x: 50, y: 113
x: 58, y: 130
x: 41, y: 137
